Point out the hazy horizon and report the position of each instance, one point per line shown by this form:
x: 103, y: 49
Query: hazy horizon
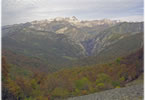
x: 117, y: 19
x: 21, y: 11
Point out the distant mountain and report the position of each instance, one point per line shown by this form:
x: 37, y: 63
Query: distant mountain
x: 61, y: 41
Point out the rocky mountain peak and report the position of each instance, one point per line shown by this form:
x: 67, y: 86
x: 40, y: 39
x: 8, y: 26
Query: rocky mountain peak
x: 70, y: 19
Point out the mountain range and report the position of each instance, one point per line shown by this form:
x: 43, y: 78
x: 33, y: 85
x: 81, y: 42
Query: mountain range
x: 53, y: 44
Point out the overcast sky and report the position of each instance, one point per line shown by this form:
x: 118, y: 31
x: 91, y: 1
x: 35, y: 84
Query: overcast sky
x: 18, y: 11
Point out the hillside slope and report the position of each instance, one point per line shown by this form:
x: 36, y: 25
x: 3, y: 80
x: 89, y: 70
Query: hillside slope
x: 134, y: 92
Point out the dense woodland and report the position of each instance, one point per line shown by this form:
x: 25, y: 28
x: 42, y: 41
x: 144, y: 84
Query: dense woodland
x: 69, y: 82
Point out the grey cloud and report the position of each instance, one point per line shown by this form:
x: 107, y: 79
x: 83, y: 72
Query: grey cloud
x: 27, y: 10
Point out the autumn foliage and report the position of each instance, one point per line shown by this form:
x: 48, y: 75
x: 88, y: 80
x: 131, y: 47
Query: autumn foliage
x: 75, y: 81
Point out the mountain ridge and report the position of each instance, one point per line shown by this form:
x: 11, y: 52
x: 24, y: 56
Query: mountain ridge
x: 63, y: 42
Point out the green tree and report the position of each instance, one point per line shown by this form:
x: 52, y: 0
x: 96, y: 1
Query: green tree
x: 103, y: 78
x: 82, y: 83
x: 60, y: 92
x: 103, y: 81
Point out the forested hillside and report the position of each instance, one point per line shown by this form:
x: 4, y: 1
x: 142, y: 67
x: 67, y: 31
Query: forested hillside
x: 73, y: 82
